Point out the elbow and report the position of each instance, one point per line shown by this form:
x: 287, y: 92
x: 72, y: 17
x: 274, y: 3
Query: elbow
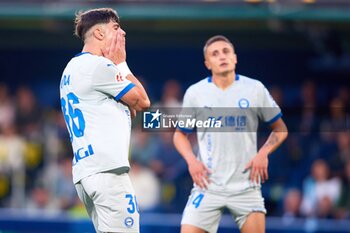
x: 283, y: 136
x: 284, y: 132
x: 146, y: 103
x: 176, y: 138
x: 281, y: 128
x: 142, y: 105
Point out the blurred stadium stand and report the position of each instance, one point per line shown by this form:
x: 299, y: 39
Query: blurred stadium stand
x: 299, y: 48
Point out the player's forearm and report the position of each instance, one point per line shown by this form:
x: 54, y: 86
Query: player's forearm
x: 142, y: 91
x: 183, y: 146
x: 277, y: 136
x: 274, y: 141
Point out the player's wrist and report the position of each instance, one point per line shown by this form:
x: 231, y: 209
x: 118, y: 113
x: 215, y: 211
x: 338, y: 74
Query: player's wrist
x: 190, y: 159
x: 124, y: 69
x: 264, y: 152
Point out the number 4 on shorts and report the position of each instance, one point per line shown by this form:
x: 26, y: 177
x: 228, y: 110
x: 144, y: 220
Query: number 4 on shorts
x: 197, y: 201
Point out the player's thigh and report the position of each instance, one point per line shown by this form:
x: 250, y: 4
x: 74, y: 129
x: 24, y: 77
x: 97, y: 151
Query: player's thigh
x: 88, y: 203
x: 114, y: 201
x: 202, y: 212
x: 242, y: 204
x: 185, y: 228
x: 255, y: 222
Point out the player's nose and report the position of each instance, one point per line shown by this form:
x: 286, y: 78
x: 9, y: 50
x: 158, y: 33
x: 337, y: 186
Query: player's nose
x: 222, y: 56
x: 122, y: 31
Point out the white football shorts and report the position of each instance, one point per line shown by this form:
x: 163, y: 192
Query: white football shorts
x: 110, y: 202
x: 204, y: 208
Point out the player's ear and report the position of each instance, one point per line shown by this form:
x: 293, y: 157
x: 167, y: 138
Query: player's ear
x: 98, y: 33
x: 235, y: 58
x: 206, y: 63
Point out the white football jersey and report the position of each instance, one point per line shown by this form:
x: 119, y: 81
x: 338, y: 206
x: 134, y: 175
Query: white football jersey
x: 99, y: 125
x: 227, y: 151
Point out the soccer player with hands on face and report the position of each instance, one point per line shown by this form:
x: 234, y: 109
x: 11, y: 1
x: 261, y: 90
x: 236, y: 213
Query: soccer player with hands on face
x: 99, y: 96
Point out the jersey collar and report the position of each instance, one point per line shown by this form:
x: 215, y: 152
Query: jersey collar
x: 210, y: 78
x: 82, y: 53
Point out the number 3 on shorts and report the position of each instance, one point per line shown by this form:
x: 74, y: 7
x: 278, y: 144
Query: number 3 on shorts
x: 132, y: 203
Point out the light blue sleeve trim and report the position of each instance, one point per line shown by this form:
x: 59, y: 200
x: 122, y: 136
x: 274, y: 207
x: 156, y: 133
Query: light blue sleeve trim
x: 185, y: 130
x: 275, y: 118
x: 124, y: 91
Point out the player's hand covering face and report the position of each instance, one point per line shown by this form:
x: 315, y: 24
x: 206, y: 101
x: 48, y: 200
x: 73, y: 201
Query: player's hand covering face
x: 220, y: 58
x: 114, y: 43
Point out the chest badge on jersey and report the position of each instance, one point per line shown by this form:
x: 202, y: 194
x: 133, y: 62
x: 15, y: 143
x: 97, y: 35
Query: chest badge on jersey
x: 243, y: 103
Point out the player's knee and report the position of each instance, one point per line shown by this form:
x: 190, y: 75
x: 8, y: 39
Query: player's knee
x: 254, y: 222
x: 185, y: 228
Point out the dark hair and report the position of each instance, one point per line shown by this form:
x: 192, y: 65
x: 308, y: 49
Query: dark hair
x: 214, y: 39
x: 84, y: 20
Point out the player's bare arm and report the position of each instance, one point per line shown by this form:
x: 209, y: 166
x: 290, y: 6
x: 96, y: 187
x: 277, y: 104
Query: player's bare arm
x: 259, y: 164
x: 136, y: 100
x: 198, y: 171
